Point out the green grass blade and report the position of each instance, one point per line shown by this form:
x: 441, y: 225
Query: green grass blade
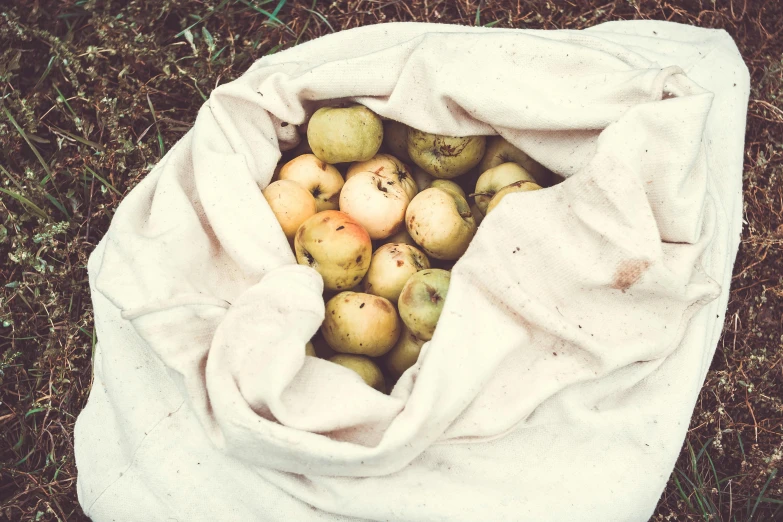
x: 102, y: 180
x: 30, y: 143
x: 319, y: 15
x: 65, y: 101
x: 38, y: 211
x: 81, y: 140
x: 683, y: 496
x: 57, y: 204
x: 761, y: 493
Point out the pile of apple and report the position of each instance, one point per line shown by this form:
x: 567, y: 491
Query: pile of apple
x: 382, y: 236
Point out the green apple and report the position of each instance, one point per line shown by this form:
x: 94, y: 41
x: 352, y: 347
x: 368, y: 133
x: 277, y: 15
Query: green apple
x: 404, y: 354
x: 364, y: 367
x: 344, y: 134
x: 441, y: 222
x: 445, y: 157
x: 494, y: 179
x: 519, y: 186
x: 500, y: 151
x: 360, y: 323
x: 391, y: 266
x: 323, y: 181
x: 336, y: 246
x: 422, y: 299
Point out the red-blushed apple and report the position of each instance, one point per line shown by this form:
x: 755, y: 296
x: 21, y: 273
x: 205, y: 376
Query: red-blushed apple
x: 336, y: 246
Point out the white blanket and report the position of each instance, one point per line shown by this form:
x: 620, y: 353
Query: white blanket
x: 575, y: 337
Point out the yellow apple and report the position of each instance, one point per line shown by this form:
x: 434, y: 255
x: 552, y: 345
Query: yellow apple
x: 404, y: 354
x: 360, y: 323
x: 447, y: 185
x: 321, y: 179
x: 501, y: 151
x: 365, y: 367
x: 290, y: 203
x: 519, y: 186
x: 391, y: 266
x: 336, y: 246
x: 441, y: 223
x: 494, y: 179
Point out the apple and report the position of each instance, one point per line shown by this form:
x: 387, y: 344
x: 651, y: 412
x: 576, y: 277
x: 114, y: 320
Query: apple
x: 344, y: 134
x: 519, y: 186
x: 404, y: 354
x: 401, y: 236
x: 364, y: 367
x: 477, y: 215
x: 422, y: 299
x: 390, y: 267
x: 310, y: 349
x: 395, y: 138
x: 389, y: 167
x: 494, y: 179
x: 336, y: 246
x: 422, y: 179
x: 375, y: 202
x: 500, y: 151
x: 447, y: 185
x: 360, y: 323
x: 441, y: 223
x: 321, y: 179
x: 445, y: 157
x: 291, y: 203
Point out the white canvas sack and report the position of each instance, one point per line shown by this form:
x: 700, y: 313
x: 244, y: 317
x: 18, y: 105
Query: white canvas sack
x: 577, y: 330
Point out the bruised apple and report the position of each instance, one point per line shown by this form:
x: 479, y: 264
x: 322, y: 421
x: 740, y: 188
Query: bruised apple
x: 391, y: 267
x: 422, y: 299
x: 365, y: 367
x: 389, y: 167
x: 321, y: 179
x: 360, y: 323
x: 445, y: 157
x: 441, y: 223
x: 336, y: 246
x: 344, y: 134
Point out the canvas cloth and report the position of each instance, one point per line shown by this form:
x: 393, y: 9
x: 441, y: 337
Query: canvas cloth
x: 574, y: 340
